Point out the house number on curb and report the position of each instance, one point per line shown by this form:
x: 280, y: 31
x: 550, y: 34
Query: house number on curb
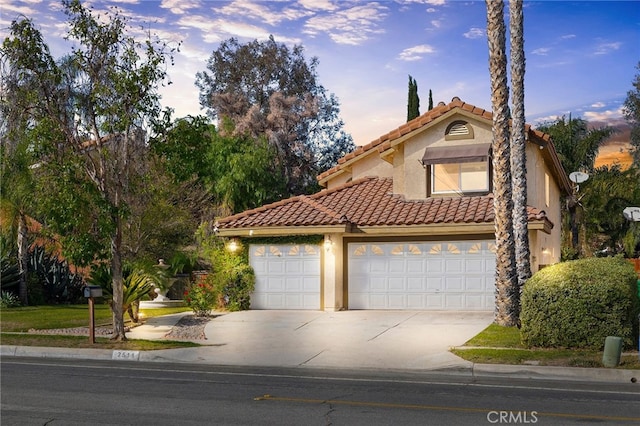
x: 126, y: 355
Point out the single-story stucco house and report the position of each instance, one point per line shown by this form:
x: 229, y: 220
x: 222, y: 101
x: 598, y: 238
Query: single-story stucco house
x: 407, y: 221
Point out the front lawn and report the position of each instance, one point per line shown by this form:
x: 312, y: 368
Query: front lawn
x: 502, y: 345
x: 16, y: 322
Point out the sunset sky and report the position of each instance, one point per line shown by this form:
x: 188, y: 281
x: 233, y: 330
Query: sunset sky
x: 581, y: 55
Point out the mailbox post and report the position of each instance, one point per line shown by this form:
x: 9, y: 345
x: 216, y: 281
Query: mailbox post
x: 91, y: 292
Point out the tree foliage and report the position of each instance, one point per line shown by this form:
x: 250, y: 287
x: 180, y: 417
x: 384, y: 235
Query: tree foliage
x: 237, y: 171
x: 605, y: 195
x: 89, y: 109
x: 413, y: 103
x: 576, y: 143
x: 577, y: 146
x: 270, y: 92
x: 631, y: 109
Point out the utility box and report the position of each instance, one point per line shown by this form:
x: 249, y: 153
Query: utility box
x: 612, y: 351
x: 92, y: 291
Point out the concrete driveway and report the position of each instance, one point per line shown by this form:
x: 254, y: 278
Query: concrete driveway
x: 347, y: 339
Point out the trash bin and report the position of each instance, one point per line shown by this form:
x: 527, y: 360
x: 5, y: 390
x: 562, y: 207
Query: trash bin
x: 612, y: 351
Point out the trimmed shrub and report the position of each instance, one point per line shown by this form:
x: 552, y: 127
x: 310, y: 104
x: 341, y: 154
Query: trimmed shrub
x: 577, y: 304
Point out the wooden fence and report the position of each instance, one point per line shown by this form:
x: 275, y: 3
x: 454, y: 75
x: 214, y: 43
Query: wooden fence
x: 636, y: 265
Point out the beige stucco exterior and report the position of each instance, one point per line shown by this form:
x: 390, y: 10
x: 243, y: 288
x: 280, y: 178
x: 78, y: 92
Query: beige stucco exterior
x: 402, y: 161
x: 400, y: 155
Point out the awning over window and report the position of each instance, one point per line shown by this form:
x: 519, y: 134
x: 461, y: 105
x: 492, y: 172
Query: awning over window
x: 456, y: 154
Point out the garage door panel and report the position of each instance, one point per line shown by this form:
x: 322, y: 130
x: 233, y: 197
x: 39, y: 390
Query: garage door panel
x: 396, y: 284
x: 275, y: 266
x: 396, y: 301
x: 287, y: 276
x: 421, y: 275
x: 453, y: 265
x: 415, y: 283
x: 475, y: 283
x: 434, y: 266
x: 453, y: 283
x: 454, y: 301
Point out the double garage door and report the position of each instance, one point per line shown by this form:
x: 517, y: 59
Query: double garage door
x: 453, y: 275
x: 456, y: 275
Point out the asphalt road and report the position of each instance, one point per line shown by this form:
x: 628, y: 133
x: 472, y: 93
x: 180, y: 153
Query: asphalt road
x: 82, y: 392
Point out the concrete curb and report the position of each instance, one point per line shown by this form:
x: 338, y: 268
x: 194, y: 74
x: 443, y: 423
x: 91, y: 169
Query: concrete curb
x: 609, y: 375
x: 474, y: 370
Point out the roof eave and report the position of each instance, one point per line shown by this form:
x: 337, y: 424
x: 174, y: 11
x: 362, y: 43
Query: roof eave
x: 273, y: 231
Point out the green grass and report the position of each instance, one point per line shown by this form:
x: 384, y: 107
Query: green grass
x: 497, y: 336
x: 502, y: 345
x: 16, y: 322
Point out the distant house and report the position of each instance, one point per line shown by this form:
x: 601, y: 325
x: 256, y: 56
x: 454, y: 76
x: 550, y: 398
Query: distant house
x: 407, y: 221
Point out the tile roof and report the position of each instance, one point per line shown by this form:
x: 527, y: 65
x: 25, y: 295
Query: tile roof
x: 384, y: 142
x: 368, y: 202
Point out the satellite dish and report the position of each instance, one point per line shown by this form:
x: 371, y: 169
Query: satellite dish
x: 578, y: 177
x: 632, y: 214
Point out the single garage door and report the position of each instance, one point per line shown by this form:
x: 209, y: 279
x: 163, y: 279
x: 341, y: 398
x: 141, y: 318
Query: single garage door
x: 287, y: 276
x: 456, y: 275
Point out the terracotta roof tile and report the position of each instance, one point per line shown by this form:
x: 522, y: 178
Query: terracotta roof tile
x: 368, y: 202
x: 417, y: 123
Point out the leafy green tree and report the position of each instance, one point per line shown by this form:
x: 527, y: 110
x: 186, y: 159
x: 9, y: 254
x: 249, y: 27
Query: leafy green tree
x: 507, y: 289
x: 605, y: 195
x: 237, y: 171
x: 270, y: 92
x: 577, y: 146
x: 94, y: 104
x: 413, y: 103
x: 430, y: 100
x: 631, y: 109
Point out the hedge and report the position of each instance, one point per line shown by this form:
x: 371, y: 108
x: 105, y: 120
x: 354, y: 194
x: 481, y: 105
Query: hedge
x: 577, y: 304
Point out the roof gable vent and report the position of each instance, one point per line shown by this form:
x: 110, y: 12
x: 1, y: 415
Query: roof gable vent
x: 458, y: 130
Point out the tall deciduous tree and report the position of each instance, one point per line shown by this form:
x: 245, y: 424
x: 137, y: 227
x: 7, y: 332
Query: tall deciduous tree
x: 270, y: 91
x: 413, y: 101
x: 631, y: 111
x: 95, y: 106
x: 518, y: 143
x: 238, y: 172
x: 507, y: 290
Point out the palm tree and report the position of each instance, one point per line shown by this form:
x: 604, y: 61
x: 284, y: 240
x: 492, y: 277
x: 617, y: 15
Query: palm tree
x: 577, y: 148
x: 507, y: 291
x: 518, y: 144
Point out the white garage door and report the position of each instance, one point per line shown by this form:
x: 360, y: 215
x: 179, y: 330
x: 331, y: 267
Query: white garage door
x: 457, y: 275
x: 287, y: 276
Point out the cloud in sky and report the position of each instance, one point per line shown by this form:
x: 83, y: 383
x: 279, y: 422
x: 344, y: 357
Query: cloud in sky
x: 377, y: 43
x: 542, y: 51
x: 474, y: 33
x: 352, y: 26
x: 606, y: 48
x: 415, y: 53
x: 602, y: 115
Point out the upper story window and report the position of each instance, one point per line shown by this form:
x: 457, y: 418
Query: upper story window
x: 460, y: 169
x: 460, y: 178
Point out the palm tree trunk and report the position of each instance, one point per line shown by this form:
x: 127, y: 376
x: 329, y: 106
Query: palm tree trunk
x: 507, y: 291
x: 518, y: 144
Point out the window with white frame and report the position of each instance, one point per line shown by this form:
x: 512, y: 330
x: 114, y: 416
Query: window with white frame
x: 460, y: 177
